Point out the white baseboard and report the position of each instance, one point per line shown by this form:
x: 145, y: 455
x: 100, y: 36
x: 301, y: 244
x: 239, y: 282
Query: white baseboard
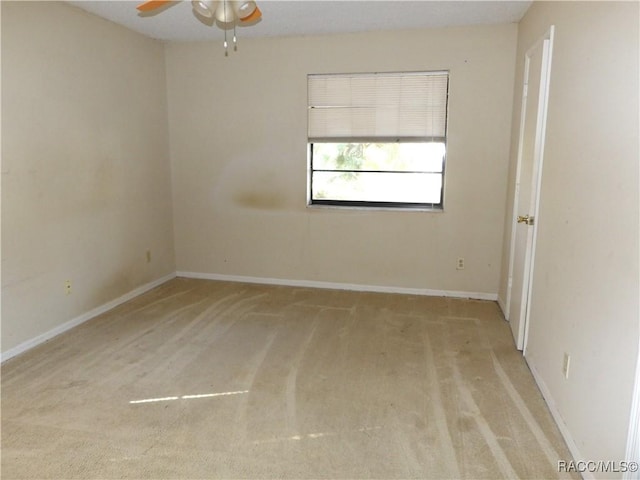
x: 24, y: 346
x: 503, y: 306
x: 339, y: 286
x: 562, y: 426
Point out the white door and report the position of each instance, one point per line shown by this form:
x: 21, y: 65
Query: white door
x: 528, y: 176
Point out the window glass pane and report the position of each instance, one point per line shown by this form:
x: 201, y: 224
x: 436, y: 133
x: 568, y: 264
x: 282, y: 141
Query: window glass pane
x: 377, y: 187
x: 412, y: 157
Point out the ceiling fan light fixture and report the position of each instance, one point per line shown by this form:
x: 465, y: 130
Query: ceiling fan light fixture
x: 255, y: 16
x: 244, y: 9
x: 225, y: 13
x: 206, y: 8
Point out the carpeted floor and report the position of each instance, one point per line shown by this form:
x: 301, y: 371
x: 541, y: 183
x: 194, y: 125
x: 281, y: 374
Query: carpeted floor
x: 202, y: 379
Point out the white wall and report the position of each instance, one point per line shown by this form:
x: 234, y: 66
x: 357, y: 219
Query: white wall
x: 585, y: 287
x: 239, y: 161
x: 86, y: 187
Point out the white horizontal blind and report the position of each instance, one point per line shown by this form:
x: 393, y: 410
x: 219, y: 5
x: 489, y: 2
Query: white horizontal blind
x: 390, y: 105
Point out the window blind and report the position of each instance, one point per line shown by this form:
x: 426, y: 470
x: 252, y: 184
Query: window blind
x: 378, y: 105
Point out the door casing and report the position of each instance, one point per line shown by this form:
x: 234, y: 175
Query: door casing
x: 546, y: 42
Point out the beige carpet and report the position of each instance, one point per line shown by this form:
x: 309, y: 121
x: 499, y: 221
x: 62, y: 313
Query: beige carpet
x: 201, y: 379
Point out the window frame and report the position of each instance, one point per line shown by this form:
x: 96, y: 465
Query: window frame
x: 382, y: 204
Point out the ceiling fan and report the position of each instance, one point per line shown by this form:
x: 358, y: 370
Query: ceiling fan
x: 228, y: 12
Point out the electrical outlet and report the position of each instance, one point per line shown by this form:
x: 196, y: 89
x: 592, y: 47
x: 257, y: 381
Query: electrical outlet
x: 460, y: 264
x: 566, y: 364
x: 148, y: 256
x: 67, y: 287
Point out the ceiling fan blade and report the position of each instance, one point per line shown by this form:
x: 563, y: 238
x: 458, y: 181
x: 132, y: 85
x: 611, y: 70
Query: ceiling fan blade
x: 152, y: 5
x: 255, y: 15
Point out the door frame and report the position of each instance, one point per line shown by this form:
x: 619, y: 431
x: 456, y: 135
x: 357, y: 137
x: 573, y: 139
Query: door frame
x: 633, y: 437
x: 545, y: 77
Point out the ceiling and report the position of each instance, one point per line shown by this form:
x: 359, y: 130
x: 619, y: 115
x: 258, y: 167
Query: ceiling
x: 309, y: 17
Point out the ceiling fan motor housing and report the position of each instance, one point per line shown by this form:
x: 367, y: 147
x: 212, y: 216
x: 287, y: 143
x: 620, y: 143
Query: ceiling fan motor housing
x: 224, y: 11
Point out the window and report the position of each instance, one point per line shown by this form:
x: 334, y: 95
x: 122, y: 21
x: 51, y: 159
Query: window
x: 377, y: 139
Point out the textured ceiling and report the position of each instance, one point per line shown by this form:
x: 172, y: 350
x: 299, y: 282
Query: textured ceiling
x: 306, y: 17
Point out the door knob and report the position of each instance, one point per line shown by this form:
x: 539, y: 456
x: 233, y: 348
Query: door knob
x: 525, y: 219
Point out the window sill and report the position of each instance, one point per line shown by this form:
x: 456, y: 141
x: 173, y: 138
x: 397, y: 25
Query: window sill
x: 314, y: 206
